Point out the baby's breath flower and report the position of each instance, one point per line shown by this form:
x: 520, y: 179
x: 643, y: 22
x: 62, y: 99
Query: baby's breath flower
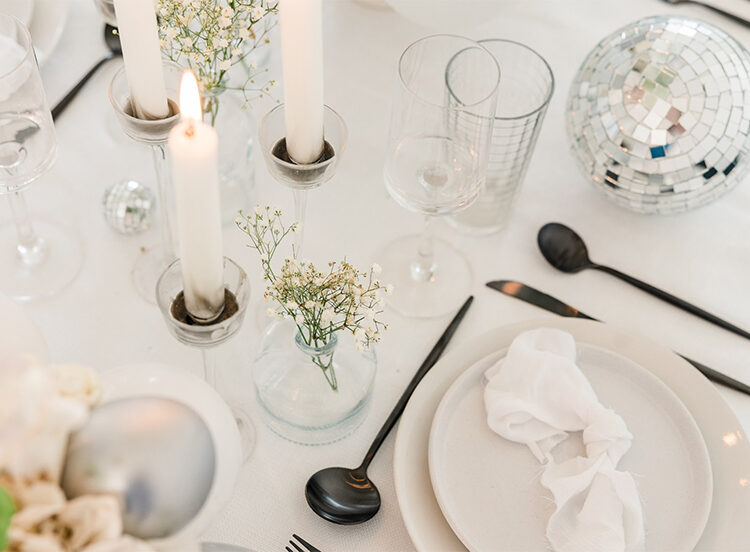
x: 212, y: 35
x: 320, y: 303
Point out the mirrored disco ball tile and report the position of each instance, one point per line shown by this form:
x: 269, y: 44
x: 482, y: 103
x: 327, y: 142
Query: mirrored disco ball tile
x: 659, y: 114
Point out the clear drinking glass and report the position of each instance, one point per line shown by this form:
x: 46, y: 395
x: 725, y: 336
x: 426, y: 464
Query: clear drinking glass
x: 438, y: 146
x: 40, y: 259
x: 523, y: 96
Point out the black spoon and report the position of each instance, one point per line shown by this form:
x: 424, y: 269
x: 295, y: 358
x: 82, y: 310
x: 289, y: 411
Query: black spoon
x: 565, y: 250
x: 112, y: 39
x: 346, y: 496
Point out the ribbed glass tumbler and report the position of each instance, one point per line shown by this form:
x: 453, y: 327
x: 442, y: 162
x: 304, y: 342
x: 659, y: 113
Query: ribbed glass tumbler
x: 526, y: 86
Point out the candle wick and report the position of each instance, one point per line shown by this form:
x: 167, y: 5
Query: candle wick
x: 190, y: 130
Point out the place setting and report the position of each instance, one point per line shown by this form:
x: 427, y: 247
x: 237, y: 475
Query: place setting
x: 273, y: 389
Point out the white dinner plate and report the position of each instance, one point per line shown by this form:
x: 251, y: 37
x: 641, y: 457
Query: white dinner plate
x: 728, y: 448
x: 160, y: 380
x: 22, y: 9
x: 479, y: 477
x: 47, y: 26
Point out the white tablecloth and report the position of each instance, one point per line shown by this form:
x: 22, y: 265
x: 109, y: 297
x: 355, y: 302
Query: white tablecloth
x: 703, y: 256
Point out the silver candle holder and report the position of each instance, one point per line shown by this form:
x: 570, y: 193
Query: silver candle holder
x: 152, y: 262
x: 301, y: 178
x: 208, y: 336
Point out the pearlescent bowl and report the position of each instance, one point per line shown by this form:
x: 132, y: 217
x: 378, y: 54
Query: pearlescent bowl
x: 659, y: 114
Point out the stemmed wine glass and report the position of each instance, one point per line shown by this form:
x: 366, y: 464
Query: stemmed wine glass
x: 40, y: 259
x: 436, y: 163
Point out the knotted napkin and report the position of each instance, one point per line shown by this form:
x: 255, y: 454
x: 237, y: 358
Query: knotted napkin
x: 535, y: 396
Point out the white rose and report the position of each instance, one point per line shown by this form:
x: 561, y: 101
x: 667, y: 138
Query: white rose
x: 78, y: 382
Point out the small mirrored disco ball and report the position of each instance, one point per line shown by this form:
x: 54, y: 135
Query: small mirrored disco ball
x: 128, y: 207
x: 659, y: 114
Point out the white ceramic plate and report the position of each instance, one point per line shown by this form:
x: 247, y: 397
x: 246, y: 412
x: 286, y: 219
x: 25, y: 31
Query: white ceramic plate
x: 727, y: 444
x: 47, y: 25
x: 22, y: 9
x: 159, y: 380
x: 479, y: 477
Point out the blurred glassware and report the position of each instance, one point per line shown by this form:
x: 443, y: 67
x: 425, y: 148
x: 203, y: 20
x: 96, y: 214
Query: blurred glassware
x: 208, y: 336
x: 152, y: 262
x: 658, y: 114
x: 526, y: 87
x: 440, y: 134
x: 38, y: 259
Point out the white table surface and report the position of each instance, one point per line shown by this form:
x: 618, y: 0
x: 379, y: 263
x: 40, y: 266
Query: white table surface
x: 703, y: 256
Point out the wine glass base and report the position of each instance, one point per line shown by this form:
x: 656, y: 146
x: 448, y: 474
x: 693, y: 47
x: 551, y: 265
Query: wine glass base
x: 60, y: 262
x: 149, y: 266
x: 443, y: 292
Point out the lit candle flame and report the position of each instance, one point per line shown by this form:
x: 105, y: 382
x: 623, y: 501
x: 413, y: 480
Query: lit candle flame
x: 190, y: 98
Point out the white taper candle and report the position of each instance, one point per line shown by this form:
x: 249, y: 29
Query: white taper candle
x: 195, y: 173
x: 301, y: 23
x: 141, y: 52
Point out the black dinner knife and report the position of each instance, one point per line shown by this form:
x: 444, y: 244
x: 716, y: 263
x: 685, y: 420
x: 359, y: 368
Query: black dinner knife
x: 549, y: 303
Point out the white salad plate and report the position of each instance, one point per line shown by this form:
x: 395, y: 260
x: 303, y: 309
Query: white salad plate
x: 479, y: 477
x: 725, y: 440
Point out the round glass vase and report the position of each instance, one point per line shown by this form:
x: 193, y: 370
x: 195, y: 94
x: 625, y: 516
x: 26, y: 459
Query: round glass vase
x: 228, y: 113
x: 312, y: 395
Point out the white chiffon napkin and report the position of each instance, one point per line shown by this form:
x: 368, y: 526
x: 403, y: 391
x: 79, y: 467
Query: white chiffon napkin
x: 536, y: 395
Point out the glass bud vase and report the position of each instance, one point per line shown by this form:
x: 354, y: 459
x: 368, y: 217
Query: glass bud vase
x: 312, y: 395
x: 227, y: 112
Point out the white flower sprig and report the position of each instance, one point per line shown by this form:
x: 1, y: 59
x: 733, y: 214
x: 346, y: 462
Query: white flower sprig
x: 321, y: 303
x: 212, y: 35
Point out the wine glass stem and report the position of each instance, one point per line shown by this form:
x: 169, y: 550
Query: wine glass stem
x: 300, y: 209
x: 423, y: 267
x: 31, y: 250
x: 162, y: 183
x: 209, y: 367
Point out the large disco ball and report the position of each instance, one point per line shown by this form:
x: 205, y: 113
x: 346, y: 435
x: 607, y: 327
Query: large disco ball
x: 659, y: 114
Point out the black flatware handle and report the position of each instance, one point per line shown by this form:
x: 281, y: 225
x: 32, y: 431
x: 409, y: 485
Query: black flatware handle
x: 676, y: 301
x: 540, y: 299
x: 62, y: 104
x: 427, y: 364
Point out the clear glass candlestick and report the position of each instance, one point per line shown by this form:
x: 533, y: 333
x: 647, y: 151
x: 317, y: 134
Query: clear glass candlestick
x: 37, y: 258
x: 152, y: 262
x: 206, y: 337
x: 301, y: 178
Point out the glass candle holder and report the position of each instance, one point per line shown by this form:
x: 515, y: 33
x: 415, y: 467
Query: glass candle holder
x: 152, y: 262
x: 301, y: 178
x: 207, y: 337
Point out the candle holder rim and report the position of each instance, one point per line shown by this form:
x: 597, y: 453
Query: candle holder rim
x: 203, y: 329
x: 318, y: 164
x: 149, y: 122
